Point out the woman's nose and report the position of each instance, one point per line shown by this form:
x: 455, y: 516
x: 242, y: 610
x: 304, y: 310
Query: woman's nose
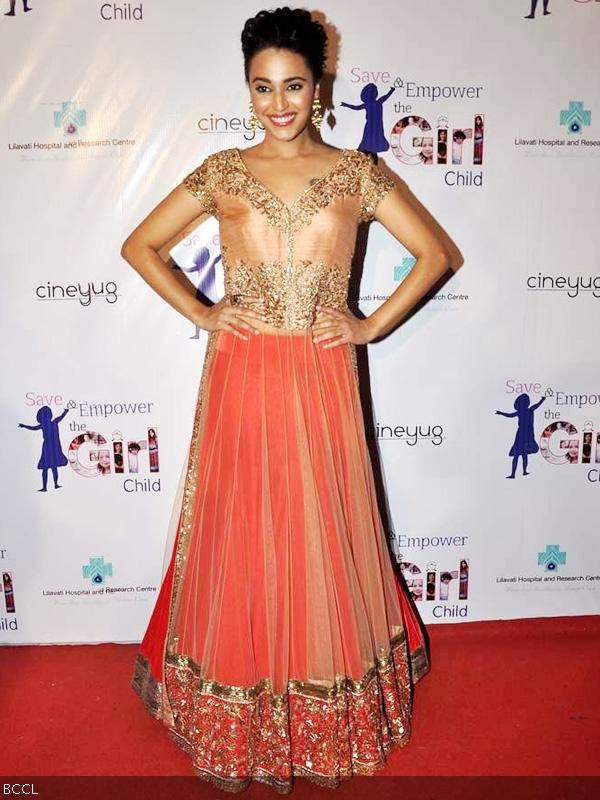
x: 279, y: 102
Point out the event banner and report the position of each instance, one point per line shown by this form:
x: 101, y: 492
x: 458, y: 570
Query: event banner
x: 482, y: 408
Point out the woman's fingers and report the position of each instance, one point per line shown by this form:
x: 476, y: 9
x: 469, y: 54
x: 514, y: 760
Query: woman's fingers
x: 327, y: 336
x: 336, y: 342
x: 243, y: 316
x: 249, y: 316
x: 229, y: 327
x: 326, y: 331
x: 242, y: 323
x: 325, y: 326
x: 255, y: 309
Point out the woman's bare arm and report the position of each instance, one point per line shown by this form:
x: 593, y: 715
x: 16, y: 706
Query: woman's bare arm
x: 404, y: 222
x: 145, y: 247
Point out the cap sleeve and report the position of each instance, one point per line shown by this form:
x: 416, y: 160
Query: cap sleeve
x: 375, y: 184
x: 201, y: 183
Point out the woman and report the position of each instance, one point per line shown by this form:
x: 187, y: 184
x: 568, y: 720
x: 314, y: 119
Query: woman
x: 282, y: 643
x: 153, y: 450
x: 478, y: 140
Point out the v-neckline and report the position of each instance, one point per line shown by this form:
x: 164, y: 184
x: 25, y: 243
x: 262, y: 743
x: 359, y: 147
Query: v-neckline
x: 272, y: 194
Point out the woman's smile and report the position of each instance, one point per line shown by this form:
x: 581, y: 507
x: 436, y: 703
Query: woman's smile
x: 282, y: 119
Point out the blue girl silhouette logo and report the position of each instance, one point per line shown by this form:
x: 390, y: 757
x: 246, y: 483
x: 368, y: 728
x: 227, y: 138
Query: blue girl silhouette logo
x: 534, y: 3
x: 188, y: 258
x: 524, y: 443
x: 52, y: 456
x: 205, y: 264
x: 13, y: 3
x: 373, y: 138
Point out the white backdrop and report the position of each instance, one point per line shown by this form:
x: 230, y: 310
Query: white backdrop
x: 106, y: 107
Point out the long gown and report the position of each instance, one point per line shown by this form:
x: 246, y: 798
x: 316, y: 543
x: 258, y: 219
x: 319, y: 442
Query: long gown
x: 282, y: 642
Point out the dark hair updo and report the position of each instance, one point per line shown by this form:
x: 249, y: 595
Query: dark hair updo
x: 289, y: 28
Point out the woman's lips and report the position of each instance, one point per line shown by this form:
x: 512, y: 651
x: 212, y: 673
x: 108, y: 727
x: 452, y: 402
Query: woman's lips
x: 282, y: 120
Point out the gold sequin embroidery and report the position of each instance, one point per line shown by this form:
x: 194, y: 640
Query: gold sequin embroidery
x: 354, y: 172
x: 299, y: 709
x: 201, y: 183
x: 375, y: 184
x: 291, y: 293
x: 291, y: 287
x: 339, y: 179
x: 324, y: 731
x: 189, y: 492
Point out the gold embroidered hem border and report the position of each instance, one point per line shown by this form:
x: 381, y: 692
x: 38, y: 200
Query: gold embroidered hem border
x: 238, y: 734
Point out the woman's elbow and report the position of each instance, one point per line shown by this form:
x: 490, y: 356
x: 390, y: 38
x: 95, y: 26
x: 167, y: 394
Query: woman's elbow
x: 126, y: 248
x: 131, y: 248
x: 440, y: 257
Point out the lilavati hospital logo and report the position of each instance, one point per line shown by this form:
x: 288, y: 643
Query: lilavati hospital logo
x: 97, y: 570
x: 71, y: 117
x: 552, y: 558
x: 403, y: 269
x: 575, y: 117
x: 572, y: 122
x: 552, y: 578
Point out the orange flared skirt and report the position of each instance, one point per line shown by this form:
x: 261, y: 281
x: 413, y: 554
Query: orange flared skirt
x: 282, y: 642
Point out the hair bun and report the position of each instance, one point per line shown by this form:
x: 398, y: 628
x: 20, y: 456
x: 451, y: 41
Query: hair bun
x: 289, y: 28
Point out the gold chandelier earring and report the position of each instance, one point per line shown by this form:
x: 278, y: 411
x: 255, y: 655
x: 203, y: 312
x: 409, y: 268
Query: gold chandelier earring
x: 317, y: 114
x: 252, y: 119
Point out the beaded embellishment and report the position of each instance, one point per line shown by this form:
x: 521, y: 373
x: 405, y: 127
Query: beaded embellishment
x: 375, y: 184
x: 325, y: 731
x: 291, y: 285
x: 236, y: 734
x: 353, y: 173
x: 291, y: 293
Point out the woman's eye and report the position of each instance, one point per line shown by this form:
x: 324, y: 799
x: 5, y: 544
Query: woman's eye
x: 260, y: 88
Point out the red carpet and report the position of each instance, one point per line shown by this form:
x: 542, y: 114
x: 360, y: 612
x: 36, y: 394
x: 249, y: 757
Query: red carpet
x: 504, y: 698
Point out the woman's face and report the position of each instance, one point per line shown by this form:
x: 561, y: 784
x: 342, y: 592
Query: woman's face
x: 281, y: 85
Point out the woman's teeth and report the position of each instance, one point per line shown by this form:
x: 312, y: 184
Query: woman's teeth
x: 283, y: 120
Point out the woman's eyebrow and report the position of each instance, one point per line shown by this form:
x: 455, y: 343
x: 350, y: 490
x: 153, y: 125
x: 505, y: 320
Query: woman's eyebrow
x: 285, y: 80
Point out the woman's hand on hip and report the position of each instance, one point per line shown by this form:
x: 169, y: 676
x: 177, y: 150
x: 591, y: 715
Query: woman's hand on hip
x: 226, y: 316
x: 343, y: 325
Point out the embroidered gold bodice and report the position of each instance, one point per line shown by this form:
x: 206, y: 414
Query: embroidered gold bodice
x: 295, y: 257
